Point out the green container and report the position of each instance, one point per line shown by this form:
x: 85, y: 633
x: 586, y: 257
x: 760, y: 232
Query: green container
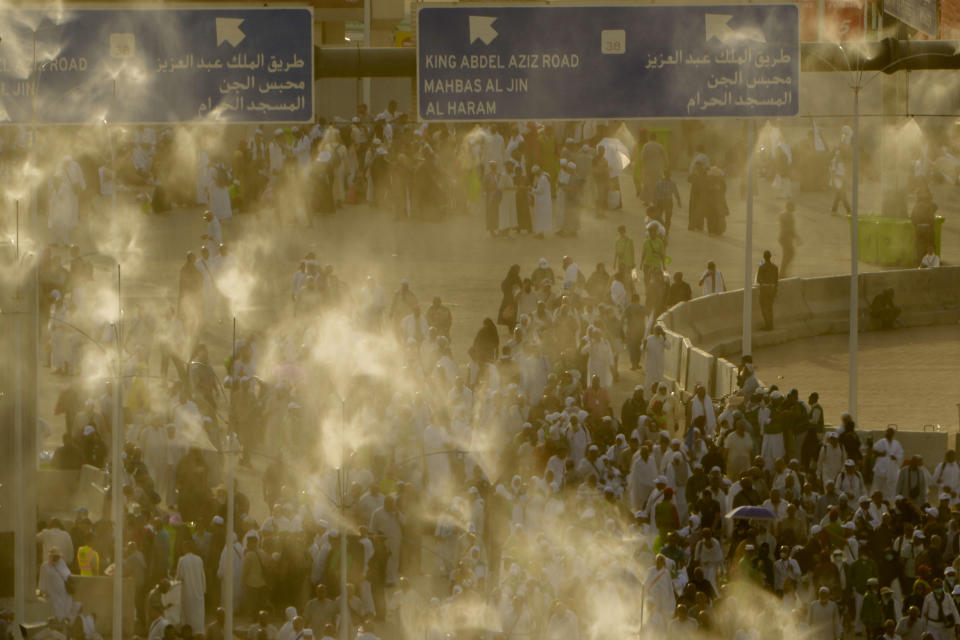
x: 866, y: 238
x: 891, y: 242
x: 896, y: 243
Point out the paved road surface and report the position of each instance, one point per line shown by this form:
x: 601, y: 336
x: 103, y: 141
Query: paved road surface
x: 908, y: 377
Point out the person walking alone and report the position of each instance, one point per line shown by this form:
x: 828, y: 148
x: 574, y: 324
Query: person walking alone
x: 788, y: 237
x: 838, y: 182
x: 768, y: 278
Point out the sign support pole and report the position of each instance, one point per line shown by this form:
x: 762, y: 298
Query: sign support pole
x: 854, y: 258
x: 116, y: 470
x: 746, y: 347
x: 230, y: 447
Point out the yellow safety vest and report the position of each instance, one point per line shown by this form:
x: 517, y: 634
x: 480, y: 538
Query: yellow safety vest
x: 89, y: 561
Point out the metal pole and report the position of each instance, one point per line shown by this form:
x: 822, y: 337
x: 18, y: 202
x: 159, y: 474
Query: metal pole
x: 228, y: 570
x: 20, y: 489
x: 344, y: 604
x: 747, y: 338
x: 116, y: 476
x: 854, y: 257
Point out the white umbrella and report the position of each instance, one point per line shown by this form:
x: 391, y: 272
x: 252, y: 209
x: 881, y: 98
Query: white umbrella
x: 616, y: 154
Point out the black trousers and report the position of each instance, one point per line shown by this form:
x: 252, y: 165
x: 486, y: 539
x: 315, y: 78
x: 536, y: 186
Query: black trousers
x: 767, y: 294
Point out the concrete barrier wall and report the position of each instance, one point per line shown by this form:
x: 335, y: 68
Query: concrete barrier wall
x: 684, y: 362
x: 671, y: 356
x: 828, y: 300
x: 701, y: 369
x: 725, y: 378
x: 704, y: 331
x: 682, y: 321
x: 96, y: 594
x: 60, y: 493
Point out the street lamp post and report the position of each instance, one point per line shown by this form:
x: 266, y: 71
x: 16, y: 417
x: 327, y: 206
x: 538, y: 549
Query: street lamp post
x: 342, y: 497
x: 116, y: 476
x: 854, y: 319
x: 20, y: 488
x: 229, y: 568
x: 854, y: 258
x: 746, y: 347
x: 230, y: 446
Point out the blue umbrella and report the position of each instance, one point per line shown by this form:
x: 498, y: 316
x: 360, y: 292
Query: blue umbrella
x: 748, y: 512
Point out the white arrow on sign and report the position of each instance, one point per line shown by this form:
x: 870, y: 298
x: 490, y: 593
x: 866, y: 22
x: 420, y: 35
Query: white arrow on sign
x: 228, y: 30
x: 718, y: 27
x: 481, y: 28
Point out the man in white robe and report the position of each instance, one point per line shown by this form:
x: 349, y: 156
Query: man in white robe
x: 640, y: 482
x: 204, y: 266
x: 55, y: 537
x: 387, y: 522
x: 219, y: 191
x: 277, y: 150
x: 64, y: 209
x: 886, y: 469
x: 193, y: 588
x: 592, y: 465
x: 414, y: 327
x: 710, y: 556
x: 831, y: 458
x: 711, y: 280
x: 849, y: 481
x: 655, y: 497
x: 237, y: 551
x: 946, y: 475
x: 653, y: 363
x: 542, y: 203
x: 53, y: 584
x: 599, y: 358
x: 658, y: 586
x: 674, y: 466
x: 823, y: 617
x: 560, y: 206
x: 578, y: 438
x: 702, y: 405
x: 301, y: 150
x: 939, y: 613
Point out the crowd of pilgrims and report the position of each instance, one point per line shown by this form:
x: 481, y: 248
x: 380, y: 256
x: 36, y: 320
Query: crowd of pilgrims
x: 526, y: 177
x: 506, y: 495
x: 502, y: 497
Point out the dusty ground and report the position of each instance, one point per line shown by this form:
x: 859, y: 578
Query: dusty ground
x: 907, y: 377
x: 457, y: 261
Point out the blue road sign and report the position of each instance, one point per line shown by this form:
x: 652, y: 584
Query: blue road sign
x: 73, y: 66
x: 565, y: 62
x: 919, y: 14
